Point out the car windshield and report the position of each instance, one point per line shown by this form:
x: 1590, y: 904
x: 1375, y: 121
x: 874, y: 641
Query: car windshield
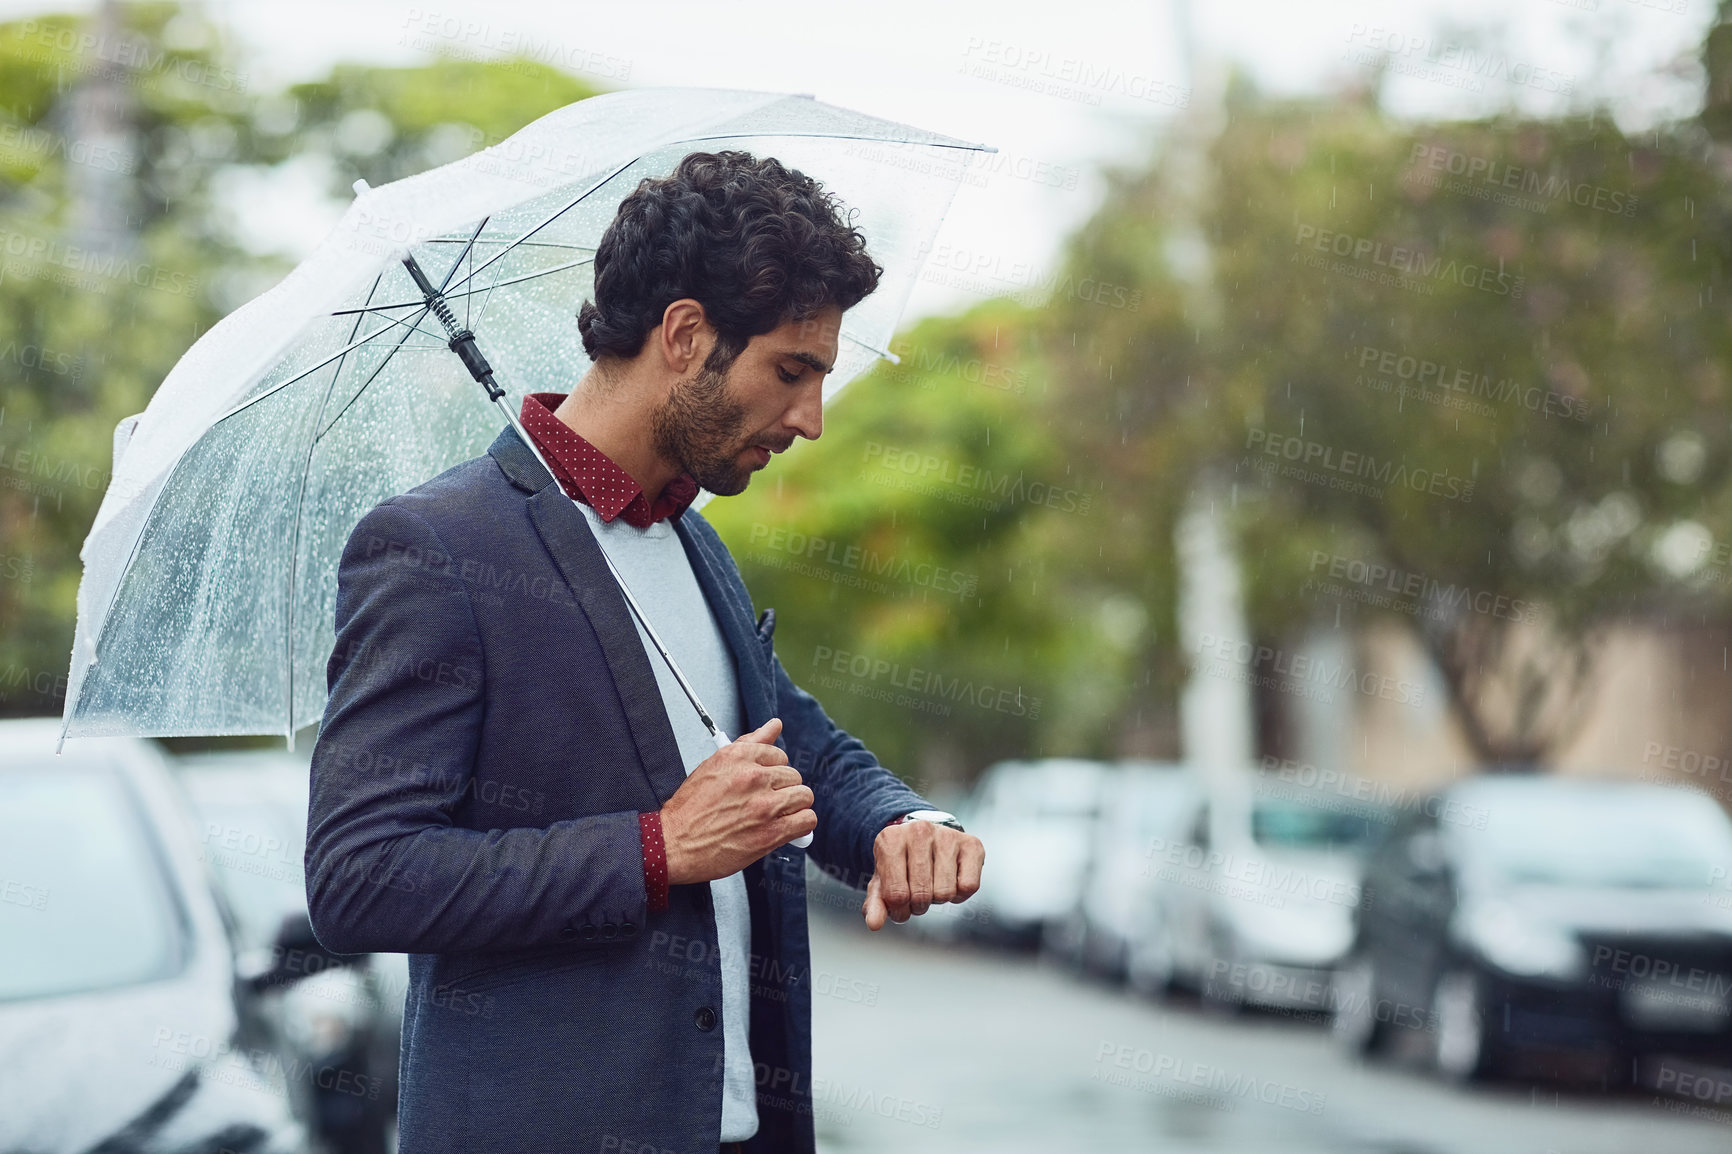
x: 1047, y: 793
x: 1161, y: 806
x: 1667, y: 839
x: 1288, y: 825
x: 255, y: 848
x: 84, y: 904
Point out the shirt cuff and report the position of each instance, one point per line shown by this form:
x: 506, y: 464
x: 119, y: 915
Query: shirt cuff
x: 655, y: 861
x: 897, y: 820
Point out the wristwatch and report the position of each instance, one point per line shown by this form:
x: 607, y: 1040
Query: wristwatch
x: 937, y: 816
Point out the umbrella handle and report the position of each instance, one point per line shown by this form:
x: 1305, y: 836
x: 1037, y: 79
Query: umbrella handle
x: 722, y: 742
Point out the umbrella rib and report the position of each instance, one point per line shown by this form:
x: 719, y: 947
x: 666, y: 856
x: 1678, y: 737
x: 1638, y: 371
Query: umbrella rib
x: 515, y: 244
x: 371, y: 377
x: 412, y: 326
x: 549, y: 219
x: 390, y: 322
x: 468, y: 299
x: 468, y: 251
x: 872, y: 348
x: 251, y: 401
x: 846, y: 136
x: 295, y: 529
x: 468, y: 247
x: 486, y: 291
x: 156, y: 498
x: 471, y: 291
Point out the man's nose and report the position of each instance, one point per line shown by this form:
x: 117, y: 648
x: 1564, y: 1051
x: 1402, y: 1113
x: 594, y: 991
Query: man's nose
x: 807, y: 417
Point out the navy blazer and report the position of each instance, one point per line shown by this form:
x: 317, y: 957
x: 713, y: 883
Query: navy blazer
x: 493, y: 730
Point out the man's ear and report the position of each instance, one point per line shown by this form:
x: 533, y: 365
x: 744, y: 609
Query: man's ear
x: 685, y: 336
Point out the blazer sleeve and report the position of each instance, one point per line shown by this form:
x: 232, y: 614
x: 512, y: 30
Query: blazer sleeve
x: 854, y: 796
x: 387, y: 869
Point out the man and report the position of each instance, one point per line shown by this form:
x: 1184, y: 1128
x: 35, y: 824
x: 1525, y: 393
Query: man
x: 606, y: 923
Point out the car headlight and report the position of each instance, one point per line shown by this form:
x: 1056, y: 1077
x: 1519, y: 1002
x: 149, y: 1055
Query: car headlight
x: 1517, y: 944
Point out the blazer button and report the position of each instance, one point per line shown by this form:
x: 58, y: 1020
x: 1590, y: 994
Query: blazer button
x: 588, y: 932
x: 609, y: 931
x: 628, y: 928
x: 568, y: 932
x: 705, y: 1019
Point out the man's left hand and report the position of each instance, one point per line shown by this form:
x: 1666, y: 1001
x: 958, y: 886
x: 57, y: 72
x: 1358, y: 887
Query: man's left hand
x: 917, y: 865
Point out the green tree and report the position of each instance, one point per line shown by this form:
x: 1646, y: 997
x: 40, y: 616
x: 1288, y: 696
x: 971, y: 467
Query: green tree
x: 1485, y: 355
x: 117, y: 131
x: 110, y: 266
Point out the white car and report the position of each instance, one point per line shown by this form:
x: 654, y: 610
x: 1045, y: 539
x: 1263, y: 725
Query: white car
x: 1037, y: 821
x: 122, y: 1024
x: 1145, y: 803
x: 1255, y: 903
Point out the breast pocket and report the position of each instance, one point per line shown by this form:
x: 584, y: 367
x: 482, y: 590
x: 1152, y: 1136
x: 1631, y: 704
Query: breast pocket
x: 766, y: 636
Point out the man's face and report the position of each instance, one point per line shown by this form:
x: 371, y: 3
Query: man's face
x: 723, y: 427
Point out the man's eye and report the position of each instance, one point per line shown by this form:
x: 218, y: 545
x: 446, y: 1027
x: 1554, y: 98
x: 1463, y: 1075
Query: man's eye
x: 787, y: 377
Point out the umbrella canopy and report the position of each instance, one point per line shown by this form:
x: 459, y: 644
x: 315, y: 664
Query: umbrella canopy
x: 209, y: 588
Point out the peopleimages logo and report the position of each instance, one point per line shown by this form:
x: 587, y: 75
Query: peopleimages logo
x: 1067, y: 77
x: 1412, y: 262
x: 1431, y: 380
x: 123, y: 58
x: 922, y: 689
x: 1499, y: 175
x: 1172, y: 1071
x: 1351, y: 470
x: 1303, y: 674
x: 1453, y: 62
x: 861, y: 560
x: 1414, y: 592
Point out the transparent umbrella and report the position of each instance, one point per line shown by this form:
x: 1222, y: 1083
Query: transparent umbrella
x: 209, y: 587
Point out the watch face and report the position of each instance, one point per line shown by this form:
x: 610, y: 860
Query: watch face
x: 937, y: 817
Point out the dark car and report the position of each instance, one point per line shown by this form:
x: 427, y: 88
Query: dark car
x: 343, y: 1020
x: 1534, y: 925
x: 120, y: 1013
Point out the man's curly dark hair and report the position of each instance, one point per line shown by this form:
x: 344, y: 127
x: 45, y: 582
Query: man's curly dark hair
x: 755, y: 243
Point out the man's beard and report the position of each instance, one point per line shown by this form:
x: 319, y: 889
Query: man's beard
x: 701, y: 428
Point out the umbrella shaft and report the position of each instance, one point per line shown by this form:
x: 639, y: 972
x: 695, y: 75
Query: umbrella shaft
x: 462, y: 341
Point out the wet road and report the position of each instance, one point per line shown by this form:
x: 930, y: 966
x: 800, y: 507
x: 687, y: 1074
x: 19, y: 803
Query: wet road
x: 921, y: 1047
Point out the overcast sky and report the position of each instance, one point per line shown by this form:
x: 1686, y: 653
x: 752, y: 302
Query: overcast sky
x: 1058, y: 87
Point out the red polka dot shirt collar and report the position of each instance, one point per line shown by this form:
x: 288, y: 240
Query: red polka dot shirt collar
x: 589, y: 475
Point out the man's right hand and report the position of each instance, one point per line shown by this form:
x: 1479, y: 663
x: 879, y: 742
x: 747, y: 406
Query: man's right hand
x: 740, y: 803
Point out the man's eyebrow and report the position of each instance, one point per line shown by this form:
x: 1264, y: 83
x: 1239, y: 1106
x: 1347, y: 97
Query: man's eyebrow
x: 810, y: 360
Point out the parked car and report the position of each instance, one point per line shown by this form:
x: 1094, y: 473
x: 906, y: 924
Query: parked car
x: 1037, y: 819
x: 121, y: 1019
x: 1254, y: 903
x: 1516, y: 920
x: 344, y: 1020
x: 1144, y: 804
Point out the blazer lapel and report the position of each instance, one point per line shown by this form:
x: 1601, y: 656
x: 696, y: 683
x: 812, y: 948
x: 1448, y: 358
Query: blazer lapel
x: 751, y: 664
x: 568, y: 538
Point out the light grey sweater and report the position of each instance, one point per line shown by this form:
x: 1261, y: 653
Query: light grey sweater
x: 655, y: 566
